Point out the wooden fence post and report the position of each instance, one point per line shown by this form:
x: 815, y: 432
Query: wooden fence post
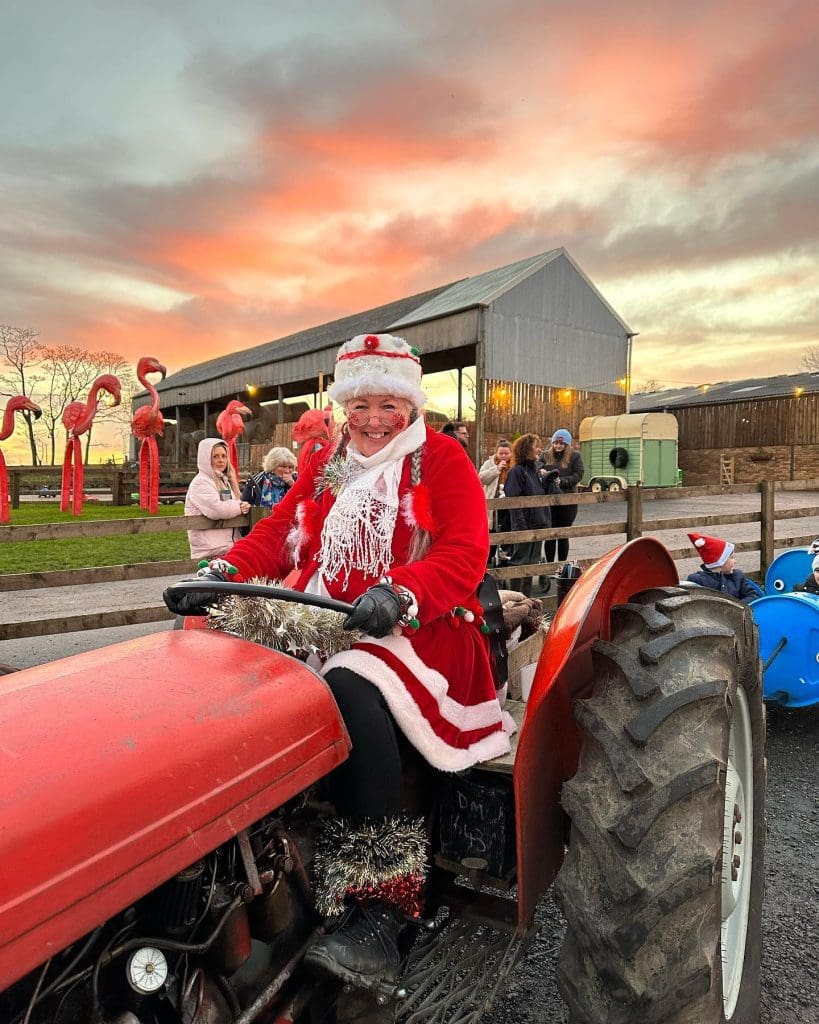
x: 634, y: 512
x: 14, y: 488
x: 256, y: 513
x: 767, y: 524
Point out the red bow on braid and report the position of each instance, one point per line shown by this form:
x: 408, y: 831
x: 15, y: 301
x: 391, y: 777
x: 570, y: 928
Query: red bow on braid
x: 416, y: 508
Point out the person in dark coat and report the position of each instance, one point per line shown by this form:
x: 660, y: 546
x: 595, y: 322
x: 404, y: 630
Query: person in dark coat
x: 811, y: 584
x: 717, y: 571
x: 459, y: 431
x: 524, y: 480
x: 278, y: 475
x: 561, y: 456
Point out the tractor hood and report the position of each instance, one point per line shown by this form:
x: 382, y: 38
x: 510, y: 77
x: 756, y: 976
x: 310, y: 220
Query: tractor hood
x: 120, y: 767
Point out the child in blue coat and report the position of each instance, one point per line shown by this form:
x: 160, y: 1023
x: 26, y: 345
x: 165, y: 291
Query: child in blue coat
x: 717, y: 571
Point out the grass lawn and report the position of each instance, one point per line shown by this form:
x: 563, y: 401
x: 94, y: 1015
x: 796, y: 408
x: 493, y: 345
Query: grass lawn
x: 45, y: 555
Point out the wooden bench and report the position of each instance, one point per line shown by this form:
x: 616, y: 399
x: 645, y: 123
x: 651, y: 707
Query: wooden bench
x: 505, y: 765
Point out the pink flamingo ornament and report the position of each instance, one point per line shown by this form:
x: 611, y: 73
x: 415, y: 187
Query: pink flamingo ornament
x: 147, y: 423
x: 312, y: 432
x: 231, y: 425
x: 77, y: 420
x: 16, y: 404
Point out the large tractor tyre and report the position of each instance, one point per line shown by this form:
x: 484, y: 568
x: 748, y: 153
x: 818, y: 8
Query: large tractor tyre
x: 662, y: 884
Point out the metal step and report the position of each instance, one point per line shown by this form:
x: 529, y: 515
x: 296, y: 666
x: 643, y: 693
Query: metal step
x: 453, y: 976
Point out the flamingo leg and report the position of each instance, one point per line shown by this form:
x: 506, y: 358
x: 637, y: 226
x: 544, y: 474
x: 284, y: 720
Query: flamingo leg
x: 233, y: 454
x: 4, y: 491
x: 65, y: 486
x: 145, y: 475
x: 79, y: 479
x: 153, y: 503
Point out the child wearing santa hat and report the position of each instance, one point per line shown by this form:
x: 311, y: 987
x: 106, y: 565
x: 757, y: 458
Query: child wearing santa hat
x: 717, y: 571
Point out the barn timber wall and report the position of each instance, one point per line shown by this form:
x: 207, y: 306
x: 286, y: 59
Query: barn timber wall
x: 751, y: 465
x: 512, y: 408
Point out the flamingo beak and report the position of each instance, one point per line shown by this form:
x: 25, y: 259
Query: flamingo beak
x: 38, y: 412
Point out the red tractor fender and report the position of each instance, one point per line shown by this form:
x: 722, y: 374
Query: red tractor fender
x: 122, y: 766
x: 549, y: 743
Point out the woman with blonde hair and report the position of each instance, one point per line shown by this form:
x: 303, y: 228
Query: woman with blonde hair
x: 524, y: 480
x: 266, y: 489
x: 214, y: 493
x: 391, y: 519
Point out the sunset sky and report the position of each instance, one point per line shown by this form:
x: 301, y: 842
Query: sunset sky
x: 188, y: 178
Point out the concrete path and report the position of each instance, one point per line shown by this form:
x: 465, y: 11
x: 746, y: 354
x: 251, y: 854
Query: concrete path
x: 61, y: 601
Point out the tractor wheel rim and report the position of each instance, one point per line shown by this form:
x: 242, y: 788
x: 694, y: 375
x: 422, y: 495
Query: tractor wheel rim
x: 738, y: 831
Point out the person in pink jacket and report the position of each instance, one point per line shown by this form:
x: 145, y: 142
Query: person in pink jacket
x: 213, y: 492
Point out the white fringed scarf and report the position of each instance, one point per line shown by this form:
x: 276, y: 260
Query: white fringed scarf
x: 357, y: 533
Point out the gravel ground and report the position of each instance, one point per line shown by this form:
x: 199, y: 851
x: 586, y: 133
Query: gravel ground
x: 790, y: 939
x: 790, y: 993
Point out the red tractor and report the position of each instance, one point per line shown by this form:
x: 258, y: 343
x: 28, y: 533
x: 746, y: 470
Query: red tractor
x: 160, y: 800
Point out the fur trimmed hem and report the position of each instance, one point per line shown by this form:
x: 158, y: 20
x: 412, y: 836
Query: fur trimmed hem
x: 412, y: 722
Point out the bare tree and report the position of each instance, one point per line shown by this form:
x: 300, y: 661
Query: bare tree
x: 810, y: 359
x: 118, y: 415
x: 20, y: 349
x: 647, y: 386
x: 68, y: 373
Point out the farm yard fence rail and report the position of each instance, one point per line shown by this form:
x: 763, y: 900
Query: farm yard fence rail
x: 634, y: 524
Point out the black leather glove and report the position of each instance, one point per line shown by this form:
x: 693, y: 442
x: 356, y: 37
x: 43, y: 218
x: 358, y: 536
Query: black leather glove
x: 551, y: 474
x: 192, y: 604
x: 375, y: 612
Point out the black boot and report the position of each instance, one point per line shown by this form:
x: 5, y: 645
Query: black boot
x: 362, y: 946
x: 369, y: 878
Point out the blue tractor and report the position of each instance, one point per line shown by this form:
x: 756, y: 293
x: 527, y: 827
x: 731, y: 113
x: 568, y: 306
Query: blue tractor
x: 788, y: 623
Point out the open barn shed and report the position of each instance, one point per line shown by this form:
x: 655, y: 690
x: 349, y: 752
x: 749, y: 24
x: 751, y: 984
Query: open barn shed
x: 529, y: 346
x: 744, y: 431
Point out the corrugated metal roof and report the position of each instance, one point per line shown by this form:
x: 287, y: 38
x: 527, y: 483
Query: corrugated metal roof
x: 479, y: 290
x: 782, y: 386
x: 314, y: 339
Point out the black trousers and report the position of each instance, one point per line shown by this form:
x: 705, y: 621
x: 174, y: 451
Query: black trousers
x: 562, y: 515
x: 524, y: 554
x: 369, y: 785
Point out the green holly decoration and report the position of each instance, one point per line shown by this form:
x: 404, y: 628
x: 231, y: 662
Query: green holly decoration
x: 414, y: 624
x: 486, y: 629
x: 415, y: 351
x: 202, y: 564
x: 232, y: 570
x: 460, y: 610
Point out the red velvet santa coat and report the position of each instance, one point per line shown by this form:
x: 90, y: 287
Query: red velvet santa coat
x: 436, y: 680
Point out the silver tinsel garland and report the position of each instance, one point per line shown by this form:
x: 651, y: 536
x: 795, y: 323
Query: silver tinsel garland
x: 355, y: 858
x: 296, y: 629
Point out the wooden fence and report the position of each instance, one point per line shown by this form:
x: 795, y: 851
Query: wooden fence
x: 633, y: 524
x: 121, y: 482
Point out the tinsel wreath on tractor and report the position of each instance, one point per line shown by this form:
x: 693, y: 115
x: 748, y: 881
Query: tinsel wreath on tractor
x: 297, y: 629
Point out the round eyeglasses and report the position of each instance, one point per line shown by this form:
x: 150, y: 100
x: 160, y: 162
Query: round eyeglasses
x: 359, y: 418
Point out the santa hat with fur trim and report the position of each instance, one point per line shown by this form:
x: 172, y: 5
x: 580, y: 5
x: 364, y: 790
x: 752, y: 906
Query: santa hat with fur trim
x: 713, y: 551
x: 377, y: 364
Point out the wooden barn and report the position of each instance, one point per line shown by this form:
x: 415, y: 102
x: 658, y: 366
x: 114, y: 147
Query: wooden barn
x: 529, y: 346
x: 744, y: 431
